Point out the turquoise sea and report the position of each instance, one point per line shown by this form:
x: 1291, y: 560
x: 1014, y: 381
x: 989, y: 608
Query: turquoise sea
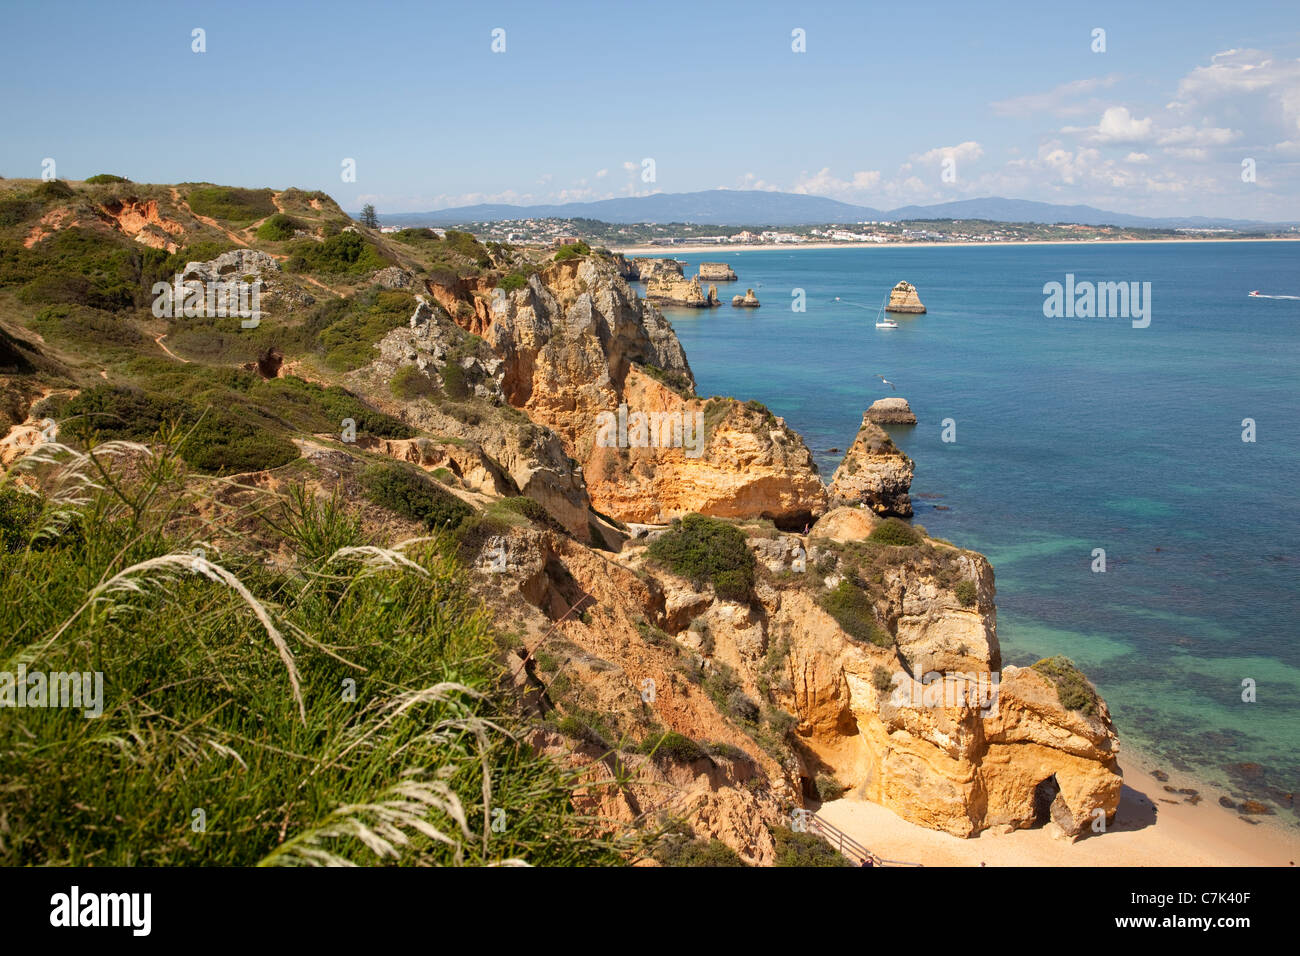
x: 1071, y: 435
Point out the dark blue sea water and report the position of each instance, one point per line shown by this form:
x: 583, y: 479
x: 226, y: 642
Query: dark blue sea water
x: 1075, y: 434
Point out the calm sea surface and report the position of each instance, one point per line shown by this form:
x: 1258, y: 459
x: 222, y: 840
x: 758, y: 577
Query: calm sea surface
x: 1071, y: 435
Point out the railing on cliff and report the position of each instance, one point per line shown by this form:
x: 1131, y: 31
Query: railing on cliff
x: 848, y: 847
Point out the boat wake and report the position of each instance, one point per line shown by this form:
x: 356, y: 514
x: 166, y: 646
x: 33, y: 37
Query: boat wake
x: 1260, y: 295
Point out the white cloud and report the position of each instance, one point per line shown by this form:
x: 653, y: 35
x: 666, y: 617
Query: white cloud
x: 1057, y: 100
x: 966, y: 152
x: 1197, y: 135
x: 824, y: 183
x: 1136, y: 158
x: 1117, y: 126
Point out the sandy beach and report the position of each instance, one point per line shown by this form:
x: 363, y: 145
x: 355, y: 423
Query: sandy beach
x: 791, y: 246
x: 1151, y: 828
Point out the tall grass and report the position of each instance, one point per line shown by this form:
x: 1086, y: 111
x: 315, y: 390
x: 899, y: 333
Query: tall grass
x: 321, y: 700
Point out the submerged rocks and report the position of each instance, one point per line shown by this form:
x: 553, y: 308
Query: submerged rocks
x: 746, y: 301
x: 874, y: 473
x: 891, y: 411
x: 903, y: 298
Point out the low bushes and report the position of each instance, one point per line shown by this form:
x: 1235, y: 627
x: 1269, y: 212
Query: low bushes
x: 895, y: 532
x: 854, y: 611
x: 413, y: 495
x: 1072, y: 687
x: 708, y: 551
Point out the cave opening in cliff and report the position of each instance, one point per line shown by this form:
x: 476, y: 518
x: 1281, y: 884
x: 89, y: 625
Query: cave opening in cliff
x: 1044, y: 794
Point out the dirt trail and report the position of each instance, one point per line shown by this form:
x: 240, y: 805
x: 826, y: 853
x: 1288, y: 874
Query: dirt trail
x: 159, y: 340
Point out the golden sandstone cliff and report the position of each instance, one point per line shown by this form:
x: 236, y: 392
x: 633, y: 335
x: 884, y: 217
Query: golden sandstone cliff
x: 863, y: 655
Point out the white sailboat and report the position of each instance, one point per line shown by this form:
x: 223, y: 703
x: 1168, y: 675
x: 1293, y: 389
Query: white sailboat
x: 883, y: 321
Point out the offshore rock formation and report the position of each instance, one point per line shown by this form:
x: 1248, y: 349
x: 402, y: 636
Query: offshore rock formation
x: 676, y: 291
x: 874, y: 473
x: 891, y: 411
x: 716, y: 272
x: 645, y: 269
x: 903, y: 298
x: 746, y: 301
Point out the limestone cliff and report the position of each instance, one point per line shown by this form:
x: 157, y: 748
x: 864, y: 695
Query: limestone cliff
x: 874, y: 473
x: 577, y: 346
x: 746, y: 301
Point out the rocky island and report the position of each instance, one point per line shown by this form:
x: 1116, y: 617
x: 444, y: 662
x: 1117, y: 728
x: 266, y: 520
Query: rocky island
x: 891, y: 411
x: 716, y: 272
x: 746, y: 301
x: 903, y: 298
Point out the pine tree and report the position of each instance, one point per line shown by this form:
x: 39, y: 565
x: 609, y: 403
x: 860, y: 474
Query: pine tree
x: 368, y: 217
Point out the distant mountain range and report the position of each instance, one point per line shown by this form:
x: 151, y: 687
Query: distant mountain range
x: 742, y: 207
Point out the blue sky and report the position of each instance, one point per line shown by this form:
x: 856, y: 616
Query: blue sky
x: 1012, y: 94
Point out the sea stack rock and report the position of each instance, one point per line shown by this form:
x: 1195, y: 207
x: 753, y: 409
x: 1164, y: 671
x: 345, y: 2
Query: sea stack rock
x: 903, y: 298
x: 716, y: 272
x: 646, y: 269
x: 746, y: 301
x: 713, y: 301
x: 891, y: 411
x: 669, y: 289
x: 874, y: 473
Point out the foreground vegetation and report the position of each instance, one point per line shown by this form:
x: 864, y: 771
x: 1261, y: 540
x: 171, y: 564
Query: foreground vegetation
x: 340, y: 709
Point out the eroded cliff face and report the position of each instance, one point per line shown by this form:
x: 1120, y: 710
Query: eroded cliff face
x: 581, y: 351
x: 874, y: 473
x: 928, y: 722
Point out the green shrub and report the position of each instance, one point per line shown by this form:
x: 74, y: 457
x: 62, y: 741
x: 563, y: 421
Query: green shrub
x: 14, y: 211
x: 224, y: 443
x: 894, y: 532
x: 514, y: 281
x: 572, y: 251
x: 410, y: 493
x: 231, y: 204
x: 675, y: 747
x: 349, y: 341
x: 699, y: 853
x: 533, y: 510
x: 103, y: 178
x: 804, y: 849
x: 828, y: 788
x: 278, y: 228
x: 54, y: 189
x: 347, y: 253
x: 409, y: 383
x: 1072, y: 688
x: 854, y: 611
x: 881, y: 679
x: 454, y: 380
x: 19, y: 514
x: 967, y: 592
x: 708, y: 551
